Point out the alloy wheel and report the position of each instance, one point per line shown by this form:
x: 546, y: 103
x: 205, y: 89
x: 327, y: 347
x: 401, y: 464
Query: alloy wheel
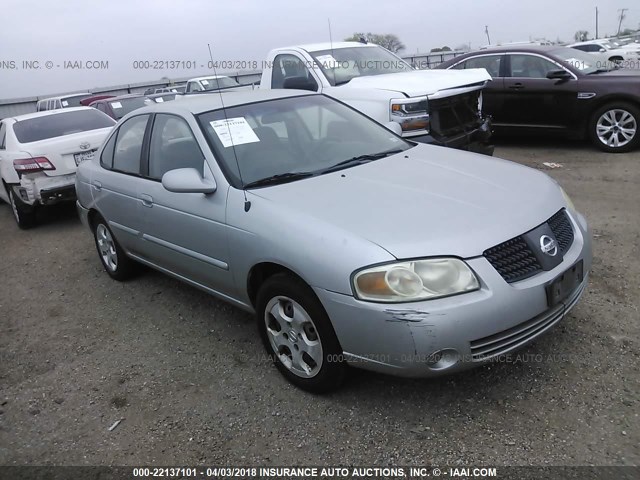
x: 616, y: 128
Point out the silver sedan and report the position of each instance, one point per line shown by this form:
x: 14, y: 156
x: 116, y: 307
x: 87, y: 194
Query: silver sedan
x: 351, y: 245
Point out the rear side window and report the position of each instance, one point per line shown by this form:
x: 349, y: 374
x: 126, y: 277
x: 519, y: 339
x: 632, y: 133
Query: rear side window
x: 128, y: 146
x: 60, y: 124
x: 173, y: 146
x: 491, y: 63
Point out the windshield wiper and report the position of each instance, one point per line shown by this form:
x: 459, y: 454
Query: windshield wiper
x: 279, y: 178
x: 360, y: 159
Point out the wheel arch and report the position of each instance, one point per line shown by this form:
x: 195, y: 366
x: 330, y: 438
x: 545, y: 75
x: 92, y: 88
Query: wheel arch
x: 260, y: 272
x: 613, y: 98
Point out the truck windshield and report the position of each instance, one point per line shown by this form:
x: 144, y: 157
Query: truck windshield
x: 294, y: 137
x: 341, y: 65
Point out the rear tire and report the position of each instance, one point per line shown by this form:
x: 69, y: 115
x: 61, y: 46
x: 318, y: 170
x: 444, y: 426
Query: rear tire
x: 613, y: 128
x: 24, y: 215
x: 113, y: 259
x: 299, y: 336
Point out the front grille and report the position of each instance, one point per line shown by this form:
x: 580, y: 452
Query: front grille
x: 454, y: 115
x: 512, y: 338
x: 561, y: 227
x: 514, y: 260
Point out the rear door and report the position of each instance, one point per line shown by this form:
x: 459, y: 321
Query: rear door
x: 115, y: 186
x: 184, y: 233
x: 530, y: 99
x: 492, y: 98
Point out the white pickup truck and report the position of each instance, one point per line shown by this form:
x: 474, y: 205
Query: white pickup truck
x: 441, y: 107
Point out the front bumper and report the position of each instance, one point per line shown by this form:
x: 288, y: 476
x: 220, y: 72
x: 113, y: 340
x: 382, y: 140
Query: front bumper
x: 477, y: 140
x: 428, y: 338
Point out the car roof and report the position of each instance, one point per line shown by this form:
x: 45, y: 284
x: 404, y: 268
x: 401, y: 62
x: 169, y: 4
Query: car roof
x: 213, y: 101
x: 208, y: 77
x: 71, y: 95
x: 519, y: 48
x: 315, y: 47
x: 46, y: 113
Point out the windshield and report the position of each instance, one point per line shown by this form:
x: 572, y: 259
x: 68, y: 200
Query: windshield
x: 217, y: 83
x: 125, y: 105
x: 60, y: 124
x: 74, y: 101
x: 341, y: 65
x: 584, y: 62
x: 292, y: 135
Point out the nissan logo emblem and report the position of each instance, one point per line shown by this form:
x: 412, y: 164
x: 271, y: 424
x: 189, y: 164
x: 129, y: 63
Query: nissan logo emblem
x: 548, y: 245
x: 84, y: 146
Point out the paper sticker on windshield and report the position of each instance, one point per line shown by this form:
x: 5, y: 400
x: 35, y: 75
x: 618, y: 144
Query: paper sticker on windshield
x: 65, y: 103
x: 159, y: 99
x: 116, y: 104
x: 327, y: 61
x: 204, y: 82
x: 234, y: 131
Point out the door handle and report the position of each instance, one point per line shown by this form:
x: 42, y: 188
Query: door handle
x: 147, y: 200
x: 516, y: 86
x: 97, y: 185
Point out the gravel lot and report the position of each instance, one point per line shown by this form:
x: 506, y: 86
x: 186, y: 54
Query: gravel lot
x: 185, y: 372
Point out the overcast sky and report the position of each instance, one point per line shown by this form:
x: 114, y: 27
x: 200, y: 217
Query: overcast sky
x: 244, y: 30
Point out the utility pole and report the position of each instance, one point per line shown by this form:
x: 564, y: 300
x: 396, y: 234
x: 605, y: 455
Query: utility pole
x: 597, y: 36
x: 486, y: 30
x: 622, y: 17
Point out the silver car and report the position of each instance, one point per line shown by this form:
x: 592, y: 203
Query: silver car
x: 352, y: 245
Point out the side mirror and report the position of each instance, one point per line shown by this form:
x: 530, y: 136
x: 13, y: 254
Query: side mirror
x: 602, y: 50
x: 559, y: 75
x: 394, y: 127
x: 299, y: 83
x: 187, y: 180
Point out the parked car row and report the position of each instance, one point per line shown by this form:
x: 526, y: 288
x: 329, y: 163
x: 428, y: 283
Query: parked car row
x: 302, y: 208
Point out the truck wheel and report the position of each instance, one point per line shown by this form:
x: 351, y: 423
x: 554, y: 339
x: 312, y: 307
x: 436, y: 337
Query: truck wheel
x: 114, y: 260
x: 298, y: 334
x: 25, y: 215
x: 614, y: 127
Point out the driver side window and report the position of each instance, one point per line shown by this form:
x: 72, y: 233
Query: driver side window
x: 531, y: 66
x: 173, y: 146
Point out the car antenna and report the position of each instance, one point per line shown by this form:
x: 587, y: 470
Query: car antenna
x: 333, y: 70
x: 247, y: 203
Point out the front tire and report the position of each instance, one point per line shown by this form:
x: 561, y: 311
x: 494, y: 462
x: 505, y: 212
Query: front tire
x: 614, y: 127
x: 24, y: 215
x: 114, y: 260
x: 297, y: 333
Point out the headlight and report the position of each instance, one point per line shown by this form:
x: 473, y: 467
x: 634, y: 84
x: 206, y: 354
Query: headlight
x: 411, y: 114
x: 568, y: 200
x: 414, y: 280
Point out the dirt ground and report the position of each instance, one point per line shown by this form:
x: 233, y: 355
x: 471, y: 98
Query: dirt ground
x: 186, y: 374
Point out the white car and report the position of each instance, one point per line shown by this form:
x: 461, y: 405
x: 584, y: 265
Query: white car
x: 212, y: 82
x: 614, y: 52
x: 39, y: 155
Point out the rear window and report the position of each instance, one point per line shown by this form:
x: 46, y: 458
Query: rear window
x: 73, y: 101
x: 60, y: 124
x: 125, y: 105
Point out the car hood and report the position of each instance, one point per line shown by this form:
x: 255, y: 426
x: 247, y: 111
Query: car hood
x: 423, y: 82
x: 423, y: 202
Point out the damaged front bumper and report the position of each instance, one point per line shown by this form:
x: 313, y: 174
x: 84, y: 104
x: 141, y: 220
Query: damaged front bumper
x: 429, y: 338
x: 477, y: 140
